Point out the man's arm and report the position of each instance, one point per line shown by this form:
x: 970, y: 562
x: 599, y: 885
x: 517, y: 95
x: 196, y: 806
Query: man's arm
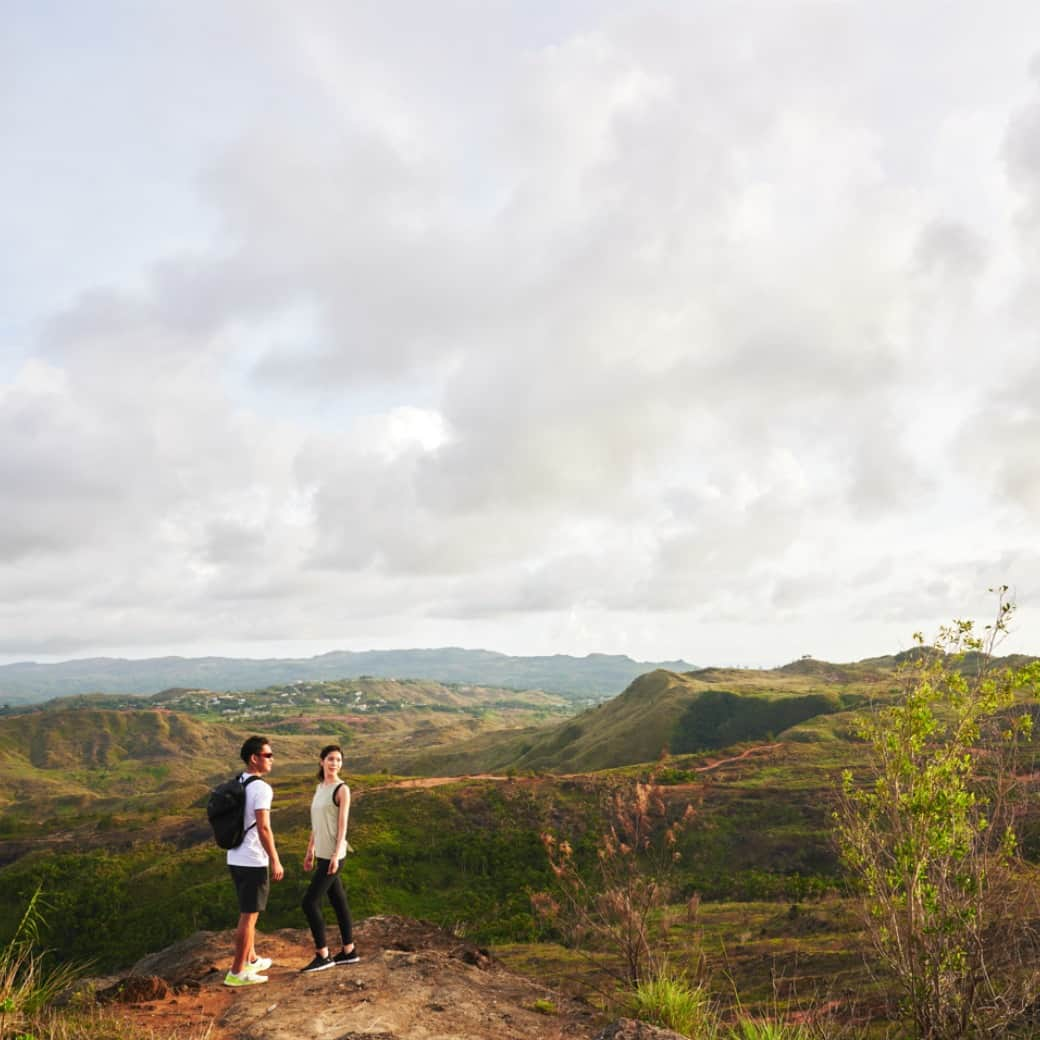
x: 266, y: 835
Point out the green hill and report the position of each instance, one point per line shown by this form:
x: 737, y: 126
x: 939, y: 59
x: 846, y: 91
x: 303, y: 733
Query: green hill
x: 105, y: 753
x: 66, y: 763
x: 663, y: 711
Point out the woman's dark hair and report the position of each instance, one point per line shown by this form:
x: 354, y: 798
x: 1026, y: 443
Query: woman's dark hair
x: 252, y: 747
x: 325, y: 751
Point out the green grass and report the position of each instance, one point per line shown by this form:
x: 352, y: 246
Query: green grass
x: 467, y: 851
x: 760, y: 961
x: 28, y: 983
x: 764, y: 1029
x: 672, y: 1001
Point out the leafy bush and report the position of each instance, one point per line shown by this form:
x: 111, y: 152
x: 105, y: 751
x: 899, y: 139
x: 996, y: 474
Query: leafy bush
x: 930, y: 840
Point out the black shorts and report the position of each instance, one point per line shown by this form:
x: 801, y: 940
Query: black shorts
x: 251, y: 886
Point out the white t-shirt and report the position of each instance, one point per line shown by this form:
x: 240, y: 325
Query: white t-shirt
x: 251, y: 853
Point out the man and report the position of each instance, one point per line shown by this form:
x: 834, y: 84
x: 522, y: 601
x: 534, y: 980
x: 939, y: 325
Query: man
x: 253, y: 863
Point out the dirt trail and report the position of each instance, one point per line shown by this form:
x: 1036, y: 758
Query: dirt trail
x: 746, y: 753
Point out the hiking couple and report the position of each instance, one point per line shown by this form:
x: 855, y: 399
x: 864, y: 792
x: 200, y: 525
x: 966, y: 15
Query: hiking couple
x: 254, y: 863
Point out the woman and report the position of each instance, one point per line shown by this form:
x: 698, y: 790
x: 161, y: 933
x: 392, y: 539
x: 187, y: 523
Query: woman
x: 330, y: 808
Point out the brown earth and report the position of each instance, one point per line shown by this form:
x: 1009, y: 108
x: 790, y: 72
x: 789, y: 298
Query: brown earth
x: 414, y: 981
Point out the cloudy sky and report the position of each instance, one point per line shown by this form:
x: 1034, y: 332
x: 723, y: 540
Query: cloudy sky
x: 701, y: 329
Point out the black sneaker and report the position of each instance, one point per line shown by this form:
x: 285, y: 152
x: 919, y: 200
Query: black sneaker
x: 347, y: 958
x: 318, y: 964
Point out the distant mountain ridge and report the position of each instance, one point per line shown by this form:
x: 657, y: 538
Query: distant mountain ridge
x: 594, y: 676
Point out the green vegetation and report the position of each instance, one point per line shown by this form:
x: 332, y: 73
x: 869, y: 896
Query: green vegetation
x: 752, y: 1029
x: 27, y: 983
x: 947, y: 900
x: 30, y: 985
x: 613, y: 899
x: 755, y: 897
x: 670, y: 1000
x: 444, y: 855
x: 671, y: 712
x: 719, y: 718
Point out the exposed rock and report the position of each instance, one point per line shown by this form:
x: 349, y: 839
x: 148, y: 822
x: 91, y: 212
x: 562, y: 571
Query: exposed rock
x: 190, y: 960
x: 633, y: 1029
x: 135, y: 989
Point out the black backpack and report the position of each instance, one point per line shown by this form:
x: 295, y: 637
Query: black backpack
x: 226, y: 810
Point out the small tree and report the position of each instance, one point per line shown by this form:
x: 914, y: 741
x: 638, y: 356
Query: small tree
x: 614, y: 903
x: 948, y: 904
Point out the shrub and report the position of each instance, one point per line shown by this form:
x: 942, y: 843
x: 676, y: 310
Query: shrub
x: 614, y: 902
x: 930, y: 841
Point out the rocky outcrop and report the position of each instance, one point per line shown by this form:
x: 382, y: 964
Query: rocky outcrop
x: 414, y: 982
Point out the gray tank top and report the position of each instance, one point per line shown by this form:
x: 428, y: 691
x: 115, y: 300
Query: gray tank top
x: 324, y: 817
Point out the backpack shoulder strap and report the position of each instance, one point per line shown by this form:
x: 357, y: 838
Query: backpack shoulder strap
x: 335, y: 794
x: 245, y: 783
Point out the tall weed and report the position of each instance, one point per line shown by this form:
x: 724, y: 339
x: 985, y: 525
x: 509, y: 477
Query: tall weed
x: 26, y: 984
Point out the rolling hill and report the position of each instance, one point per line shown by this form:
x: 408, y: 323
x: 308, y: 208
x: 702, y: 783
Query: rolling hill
x: 667, y: 711
x: 92, y: 752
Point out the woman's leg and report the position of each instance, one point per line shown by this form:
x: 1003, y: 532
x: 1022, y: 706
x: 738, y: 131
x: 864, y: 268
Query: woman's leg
x: 338, y: 899
x: 320, y: 881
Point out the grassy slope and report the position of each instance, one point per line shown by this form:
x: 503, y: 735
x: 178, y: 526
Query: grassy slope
x: 465, y: 852
x: 712, y: 708
x: 94, y: 753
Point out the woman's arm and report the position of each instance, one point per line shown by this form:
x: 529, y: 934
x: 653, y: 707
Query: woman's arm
x: 308, y: 856
x: 341, y: 825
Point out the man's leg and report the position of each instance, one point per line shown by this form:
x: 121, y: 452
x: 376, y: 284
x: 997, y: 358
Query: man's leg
x: 244, y: 936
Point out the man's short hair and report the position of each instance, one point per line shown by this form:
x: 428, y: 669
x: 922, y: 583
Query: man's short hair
x: 252, y: 746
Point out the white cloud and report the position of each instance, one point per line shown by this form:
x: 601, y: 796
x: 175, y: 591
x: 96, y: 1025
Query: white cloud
x: 701, y: 329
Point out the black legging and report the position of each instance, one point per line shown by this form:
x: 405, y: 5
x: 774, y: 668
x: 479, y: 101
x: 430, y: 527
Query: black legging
x: 321, y: 883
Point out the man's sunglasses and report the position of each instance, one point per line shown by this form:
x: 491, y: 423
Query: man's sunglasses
x: 266, y: 754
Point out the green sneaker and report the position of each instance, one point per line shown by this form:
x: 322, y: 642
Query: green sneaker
x: 247, y: 978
